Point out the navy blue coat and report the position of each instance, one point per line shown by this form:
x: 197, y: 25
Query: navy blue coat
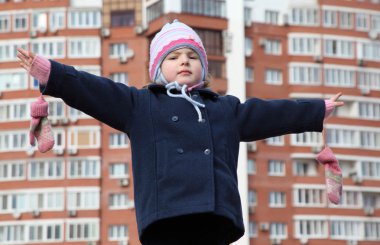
x: 182, y: 166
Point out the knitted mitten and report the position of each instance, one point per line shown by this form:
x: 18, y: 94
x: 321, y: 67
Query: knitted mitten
x: 333, y: 174
x: 40, y: 127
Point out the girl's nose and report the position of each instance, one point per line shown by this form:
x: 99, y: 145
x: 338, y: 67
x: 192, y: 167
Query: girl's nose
x: 184, y: 60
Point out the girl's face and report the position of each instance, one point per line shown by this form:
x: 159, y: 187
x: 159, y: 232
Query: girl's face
x: 182, y: 65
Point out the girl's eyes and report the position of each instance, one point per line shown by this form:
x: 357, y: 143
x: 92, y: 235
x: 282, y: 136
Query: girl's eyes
x: 193, y: 57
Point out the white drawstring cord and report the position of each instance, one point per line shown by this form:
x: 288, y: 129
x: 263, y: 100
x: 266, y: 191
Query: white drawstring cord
x: 175, y: 85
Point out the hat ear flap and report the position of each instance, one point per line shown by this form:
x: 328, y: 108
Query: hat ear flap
x: 160, y: 79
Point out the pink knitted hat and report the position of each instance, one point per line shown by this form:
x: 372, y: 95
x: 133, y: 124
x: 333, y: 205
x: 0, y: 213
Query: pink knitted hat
x: 174, y: 36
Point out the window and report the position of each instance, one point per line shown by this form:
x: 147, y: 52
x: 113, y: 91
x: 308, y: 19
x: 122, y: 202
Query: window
x: 217, y: 69
x: 278, y: 230
x: 14, y: 111
x: 4, y: 23
x: 45, y: 232
x: 20, y: 22
x: 12, y: 171
x: 339, y: 48
x: 305, y: 16
x: 342, y: 137
x: 300, y: 45
x: 49, y: 48
x: 368, y: 79
x: 122, y: 18
x: 83, y: 199
x: 84, y: 18
x: 56, y: 109
x: 84, y: 168
x: 304, y: 168
x: 215, y: 8
x: 370, y: 140
x: 118, y: 233
x: 252, y: 198
x: 118, y: 140
x: 370, y: 50
x: 368, y: 110
x: 276, y: 168
x: 346, y: 229
x: 252, y: 229
x: 340, y: 77
x: 84, y: 47
x: 375, y: 22
x: 13, y: 79
x: 212, y: 41
x: 272, y: 47
x: 57, y: 20
x: 251, y: 166
x: 249, y: 74
x: 307, y: 139
x: 117, y: 50
x: 346, y: 20
x: 362, y: 22
x: 248, y: 46
x: 309, y: 196
x: 78, y: 230
x: 84, y: 137
x: 351, y: 199
x: 271, y: 17
x: 118, y: 170
x: 370, y: 169
x: 46, y: 169
x: 276, y: 141
x: 47, y: 200
x: 329, y: 18
x: 8, y: 52
x: 12, y: 233
x: 39, y: 21
x: 273, y: 76
x: 305, y: 74
x: 310, y: 227
x: 372, y: 230
x: 120, y: 77
x: 277, y: 199
x: 13, y: 141
x: 120, y: 201
x: 155, y: 10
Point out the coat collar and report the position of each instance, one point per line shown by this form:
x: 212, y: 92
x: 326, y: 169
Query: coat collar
x: 203, y: 91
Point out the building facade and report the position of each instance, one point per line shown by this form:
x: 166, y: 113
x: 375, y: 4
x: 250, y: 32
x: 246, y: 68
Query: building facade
x: 81, y: 192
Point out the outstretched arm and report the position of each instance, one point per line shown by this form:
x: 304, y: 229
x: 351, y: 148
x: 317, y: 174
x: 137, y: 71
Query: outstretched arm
x: 101, y: 98
x: 260, y: 119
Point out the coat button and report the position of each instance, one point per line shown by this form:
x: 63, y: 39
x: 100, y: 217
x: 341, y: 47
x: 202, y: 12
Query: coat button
x: 207, y: 152
x: 194, y: 96
x: 180, y: 150
x: 174, y: 118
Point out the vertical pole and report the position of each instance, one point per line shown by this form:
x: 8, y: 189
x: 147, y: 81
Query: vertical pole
x: 236, y: 86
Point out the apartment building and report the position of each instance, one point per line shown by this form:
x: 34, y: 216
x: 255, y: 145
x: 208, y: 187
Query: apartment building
x: 82, y: 191
x: 301, y: 49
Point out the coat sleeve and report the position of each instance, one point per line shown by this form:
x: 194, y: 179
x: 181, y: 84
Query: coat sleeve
x: 109, y: 102
x: 259, y: 119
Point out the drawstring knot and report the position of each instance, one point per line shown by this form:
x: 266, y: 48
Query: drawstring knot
x: 183, y: 89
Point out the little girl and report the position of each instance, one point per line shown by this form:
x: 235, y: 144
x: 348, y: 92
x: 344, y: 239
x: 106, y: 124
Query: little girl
x: 184, y: 137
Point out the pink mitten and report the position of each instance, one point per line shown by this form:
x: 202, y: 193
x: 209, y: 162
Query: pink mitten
x: 333, y: 174
x: 40, y: 127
